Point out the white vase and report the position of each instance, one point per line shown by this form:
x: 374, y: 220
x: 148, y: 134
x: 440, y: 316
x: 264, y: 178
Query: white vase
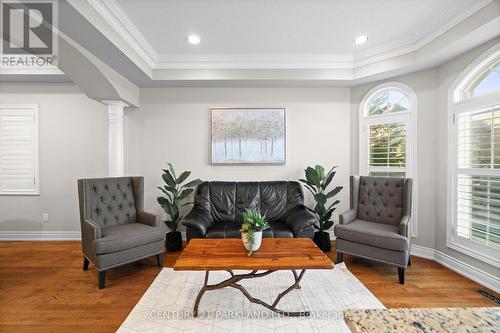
x: 257, y: 240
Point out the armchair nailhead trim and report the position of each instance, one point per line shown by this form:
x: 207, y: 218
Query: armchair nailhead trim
x: 89, y: 260
x: 126, y: 262
x: 371, y: 258
x: 93, y: 227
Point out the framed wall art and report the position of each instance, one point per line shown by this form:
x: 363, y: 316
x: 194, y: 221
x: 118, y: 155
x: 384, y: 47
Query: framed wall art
x: 248, y: 136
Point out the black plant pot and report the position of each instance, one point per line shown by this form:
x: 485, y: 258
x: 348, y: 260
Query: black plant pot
x: 322, y: 240
x: 174, y: 241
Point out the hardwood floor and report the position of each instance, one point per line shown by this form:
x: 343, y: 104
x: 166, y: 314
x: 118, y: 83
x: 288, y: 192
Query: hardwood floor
x: 44, y: 289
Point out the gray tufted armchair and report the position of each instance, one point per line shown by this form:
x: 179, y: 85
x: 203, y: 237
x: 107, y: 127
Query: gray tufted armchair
x: 376, y: 226
x: 115, y: 228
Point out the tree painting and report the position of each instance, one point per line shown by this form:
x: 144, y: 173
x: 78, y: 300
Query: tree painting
x: 254, y: 136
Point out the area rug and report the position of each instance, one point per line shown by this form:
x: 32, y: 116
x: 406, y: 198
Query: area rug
x: 167, y: 304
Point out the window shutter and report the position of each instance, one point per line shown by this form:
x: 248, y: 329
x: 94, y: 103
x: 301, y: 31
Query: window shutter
x: 18, y: 150
x: 388, y: 145
x: 478, y: 176
x: 478, y: 209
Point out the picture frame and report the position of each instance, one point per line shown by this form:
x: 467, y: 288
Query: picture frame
x: 247, y: 136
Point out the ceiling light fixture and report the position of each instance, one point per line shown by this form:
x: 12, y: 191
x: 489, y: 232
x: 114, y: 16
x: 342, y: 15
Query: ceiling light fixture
x: 361, y: 39
x: 193, y: 39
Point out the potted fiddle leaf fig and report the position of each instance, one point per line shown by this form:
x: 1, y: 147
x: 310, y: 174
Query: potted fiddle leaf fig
x: 317, y: 183
x: 251, y: 230
x: 176, y: 192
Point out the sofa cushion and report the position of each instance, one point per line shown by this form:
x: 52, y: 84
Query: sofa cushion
x: 232, y: 230
x: 372, y: 233
x: 224, y: 230
x: 247, y: 197
x: 226, y: 201
x: 278, y: 230
x: 222, y: 200
x: 125, y: 236
x: 273, y: 199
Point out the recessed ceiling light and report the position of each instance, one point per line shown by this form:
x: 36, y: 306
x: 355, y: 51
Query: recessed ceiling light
x: 361, y: 39
x: 193, y: 39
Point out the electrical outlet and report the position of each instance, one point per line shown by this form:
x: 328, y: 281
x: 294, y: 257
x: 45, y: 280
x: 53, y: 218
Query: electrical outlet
x: 45, y: 217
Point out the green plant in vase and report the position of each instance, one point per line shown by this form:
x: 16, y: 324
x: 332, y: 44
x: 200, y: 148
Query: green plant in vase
x: 176, y: 192
x: 317, y: 183
x: 251, y: 230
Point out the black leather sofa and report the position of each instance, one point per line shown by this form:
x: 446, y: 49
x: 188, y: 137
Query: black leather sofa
x: 219, y: 206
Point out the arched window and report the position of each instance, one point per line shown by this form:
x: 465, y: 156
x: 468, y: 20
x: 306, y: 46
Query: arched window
x: 485, y: 82
x: 387, y: 131
x: 387, y: 126
x: 474, y: 161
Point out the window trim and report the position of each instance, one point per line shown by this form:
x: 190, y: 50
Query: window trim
x: 456, y: 105
x: 410, y: 117
x: 36, y: 190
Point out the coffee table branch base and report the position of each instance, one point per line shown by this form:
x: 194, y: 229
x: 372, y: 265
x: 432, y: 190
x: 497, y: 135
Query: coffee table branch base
x: 233, y: 283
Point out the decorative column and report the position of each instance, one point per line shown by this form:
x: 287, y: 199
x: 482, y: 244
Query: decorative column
x: 116, y: 163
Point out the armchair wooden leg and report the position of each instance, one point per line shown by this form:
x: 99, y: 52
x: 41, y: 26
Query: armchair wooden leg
x: 102, y: 279
x: 85, y: 264
x: 409, y: 261
x: 159, y: 258
x: 340, y: 257
x: 401, y: 273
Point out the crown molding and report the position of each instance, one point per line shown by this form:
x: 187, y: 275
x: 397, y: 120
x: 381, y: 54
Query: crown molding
x: 454, y: 13
x: 113, y: 13
x: 453, y: 17
x: 254, y: 61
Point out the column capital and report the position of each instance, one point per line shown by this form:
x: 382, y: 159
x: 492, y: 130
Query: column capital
x: 115, y: 103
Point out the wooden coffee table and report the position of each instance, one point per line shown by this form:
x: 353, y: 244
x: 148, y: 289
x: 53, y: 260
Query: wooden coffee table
x: 229, y: 254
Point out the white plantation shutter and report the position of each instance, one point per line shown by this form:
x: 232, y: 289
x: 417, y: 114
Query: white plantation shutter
x: 474, y: 160
x: 387, y: 149
x: 478, y: 176
x: 19, y: 149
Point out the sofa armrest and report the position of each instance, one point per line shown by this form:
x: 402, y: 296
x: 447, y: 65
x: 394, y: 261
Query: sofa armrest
x: 348, y: 216
x: 403, y: 226
x: 149, y: 219
x: 198, y: 219
x: 299, y: 219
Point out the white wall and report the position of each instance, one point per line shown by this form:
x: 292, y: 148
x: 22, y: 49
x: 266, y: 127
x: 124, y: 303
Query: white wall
x: 424, y: 84
x: 431, y: 87
x: 172, y: 125
x: 73, y: 144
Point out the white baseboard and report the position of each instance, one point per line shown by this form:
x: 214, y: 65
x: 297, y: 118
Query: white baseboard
x: 486, y: 279
x: 41, y: 235
x: 423, y: 252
